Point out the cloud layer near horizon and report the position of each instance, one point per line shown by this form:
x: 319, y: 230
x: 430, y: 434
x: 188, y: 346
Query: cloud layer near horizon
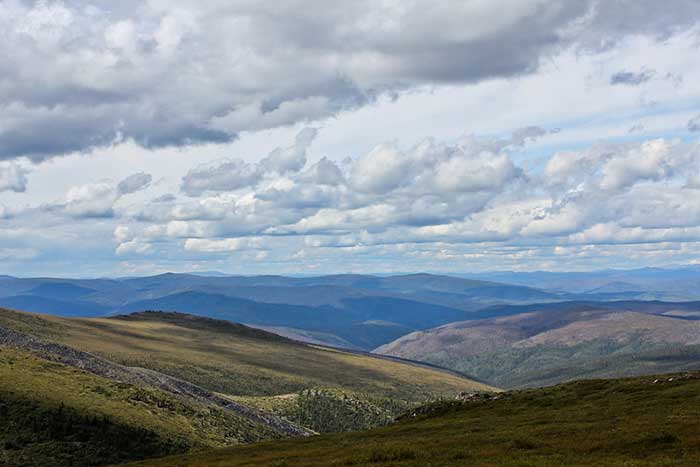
x: 468, y: 192
x: 459, y: 202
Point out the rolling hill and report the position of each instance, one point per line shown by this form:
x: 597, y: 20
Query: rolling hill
x: 54, y: 414
x: 234, y: 359
x: 642, y: 421
x: 363, y: 322
x: 71, y: 389
x: 544, y: 344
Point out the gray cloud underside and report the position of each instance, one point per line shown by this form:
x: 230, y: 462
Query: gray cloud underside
x: 76, y: 76
x: 694, y: 124
x: 13, y: 177
x: 134, y: 183
x: 91, y: 201
x: 631, y: 78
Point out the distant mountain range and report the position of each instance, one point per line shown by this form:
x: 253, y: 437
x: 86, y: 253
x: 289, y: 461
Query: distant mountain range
x: 540, y: 329
x: 355, y: 311
x: 347, y: 310
x: 670, y: 284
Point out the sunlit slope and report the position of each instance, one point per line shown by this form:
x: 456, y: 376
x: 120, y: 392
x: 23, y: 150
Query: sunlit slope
x: 642, y: 421
x: 54, y: 415
x: 237, y: 360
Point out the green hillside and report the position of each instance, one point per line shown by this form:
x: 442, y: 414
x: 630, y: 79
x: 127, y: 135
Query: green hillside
x: 53, y: 415
x: 96, y: 391
x: 545, y: 347
x: 601, y: 358
x: 640, y: 421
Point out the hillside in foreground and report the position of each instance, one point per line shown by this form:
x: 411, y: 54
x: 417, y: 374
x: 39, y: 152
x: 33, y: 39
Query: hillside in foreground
x: 54, y: 414
x: 99, y: 391
x: 653, y: 420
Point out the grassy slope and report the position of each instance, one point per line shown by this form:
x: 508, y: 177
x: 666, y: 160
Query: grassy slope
x: 541, y: 366
x: 537, y: 349
x: 57, y: 415
x: 598, y: 422
x: 236, y: 360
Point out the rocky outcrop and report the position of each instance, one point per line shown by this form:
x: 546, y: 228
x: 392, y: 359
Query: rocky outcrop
x: 142, y: 377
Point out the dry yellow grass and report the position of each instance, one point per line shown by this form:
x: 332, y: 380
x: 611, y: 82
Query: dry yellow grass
x: 237, y: 360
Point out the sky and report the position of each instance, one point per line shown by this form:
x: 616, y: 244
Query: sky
x: 264, y: 137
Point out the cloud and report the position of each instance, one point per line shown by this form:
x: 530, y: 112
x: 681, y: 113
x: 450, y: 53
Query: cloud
x: 482, y: 172
x: 134, y: 183
x: 254, y: 116
x: 467, y: 199
x: 610, y: 233
x: 93, y: 200
x: 470, y: 166
x: 5, y: 212
x: 631, y: 78
x: 128, y: 243
x: 234, y: 174
x: 217, y: 246
x: 324, y: 172
x: 497, y: 201
x: 122, y: 233
x: 636, y: 128
x: 221, y: 175
x: 613, y: 167
x: 13, y: 177
x: 694, y: 124
x: 132, y: 247
x: 291, y: 159
x: 97, y: 200
x: 524, y: 135
x: 652, y: 160
x: 387, y: 188
x: 453, y: 194
x: 17, y: 254
x: 381, y: 170
x: 75, y: 78
x: 166, y: 198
